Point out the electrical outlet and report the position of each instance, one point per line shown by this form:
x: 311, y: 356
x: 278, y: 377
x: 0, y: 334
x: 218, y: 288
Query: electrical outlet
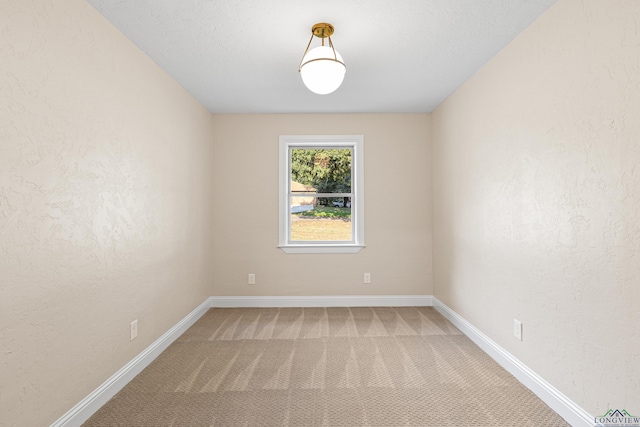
x: 367, y: 277
x: 134, y: 329
x: 517, y: 329
x: 251, y: 279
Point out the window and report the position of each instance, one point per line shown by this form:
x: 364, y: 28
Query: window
x: 321, y: 194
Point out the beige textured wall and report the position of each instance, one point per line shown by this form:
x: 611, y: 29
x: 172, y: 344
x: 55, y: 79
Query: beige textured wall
x: 105, y: 205
x: 537, y: 200
x: 397, y: 208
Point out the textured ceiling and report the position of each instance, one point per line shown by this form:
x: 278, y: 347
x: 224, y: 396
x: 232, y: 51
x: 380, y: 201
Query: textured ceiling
x: 242, y: 56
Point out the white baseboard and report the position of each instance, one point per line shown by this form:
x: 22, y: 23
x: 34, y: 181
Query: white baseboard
x: 565, y: 407
x: 94, y: 401
x: 324, y: 301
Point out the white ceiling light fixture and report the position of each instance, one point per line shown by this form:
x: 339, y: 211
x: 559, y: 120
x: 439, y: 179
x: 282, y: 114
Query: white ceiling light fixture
x: 322, y: 68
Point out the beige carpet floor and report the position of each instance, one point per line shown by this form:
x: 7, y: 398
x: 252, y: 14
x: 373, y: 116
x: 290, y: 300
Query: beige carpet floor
x: 403, y: 366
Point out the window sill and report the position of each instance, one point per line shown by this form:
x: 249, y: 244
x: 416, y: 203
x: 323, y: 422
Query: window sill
x: 321, y: 249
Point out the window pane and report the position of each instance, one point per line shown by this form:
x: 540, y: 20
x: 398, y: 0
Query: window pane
x: 321, y: 170
x: 320, y: 219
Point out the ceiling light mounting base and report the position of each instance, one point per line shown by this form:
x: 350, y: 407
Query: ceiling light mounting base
x: 322, y: 30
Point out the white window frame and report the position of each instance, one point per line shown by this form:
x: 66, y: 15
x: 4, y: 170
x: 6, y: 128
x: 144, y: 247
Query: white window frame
x: 354, y: 142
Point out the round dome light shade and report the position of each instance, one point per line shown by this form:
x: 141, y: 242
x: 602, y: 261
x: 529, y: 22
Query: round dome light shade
x: 324, y: 75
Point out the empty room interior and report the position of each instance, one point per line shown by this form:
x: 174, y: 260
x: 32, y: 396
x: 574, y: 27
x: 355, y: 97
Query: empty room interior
x: 496, y: 189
